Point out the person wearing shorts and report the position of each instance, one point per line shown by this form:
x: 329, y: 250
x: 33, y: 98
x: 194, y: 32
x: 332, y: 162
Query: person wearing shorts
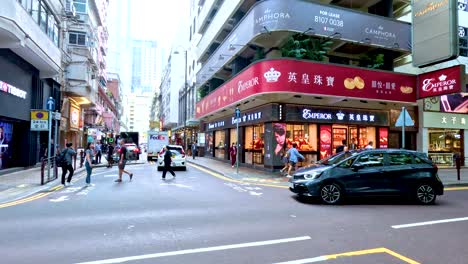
x: 123, y: 162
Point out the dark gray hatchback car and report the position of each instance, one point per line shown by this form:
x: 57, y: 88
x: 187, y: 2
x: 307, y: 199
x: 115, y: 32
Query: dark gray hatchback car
x: 375, y: 172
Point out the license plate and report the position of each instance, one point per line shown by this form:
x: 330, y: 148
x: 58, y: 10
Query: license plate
x: 291, y: 185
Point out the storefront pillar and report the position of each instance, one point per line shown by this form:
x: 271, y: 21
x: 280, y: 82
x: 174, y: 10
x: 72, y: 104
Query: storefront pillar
x: 465, y: 145
x: 423, y: 140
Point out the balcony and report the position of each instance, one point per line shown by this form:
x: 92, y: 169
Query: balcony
x: 22, y: 35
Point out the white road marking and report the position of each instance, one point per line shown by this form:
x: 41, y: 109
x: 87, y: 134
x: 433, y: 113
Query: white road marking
x: 178, y: 185
x: 198, y: 250
x: 70, y: 189
x: 111, y: 176
x: 60, y: 199
x: 253, y: 188
x: 303, y: 261
x: 255, y: 193
x: 431, y: 222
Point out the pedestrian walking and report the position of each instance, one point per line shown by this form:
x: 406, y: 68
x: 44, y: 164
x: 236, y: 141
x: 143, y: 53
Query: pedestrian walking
x: 98, y: 148
x: 294, y: 157
x: 123, y: 161
x: 68, y: 153
x: 233, y: 153
x: 194, y: 149
x: 110, y: 153
x: 341, y: 147
x: 167, y: 163
x: 89, y: 155
x: 285, y: 160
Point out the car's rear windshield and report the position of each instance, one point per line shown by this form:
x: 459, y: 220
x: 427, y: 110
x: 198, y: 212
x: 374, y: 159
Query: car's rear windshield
x: 338, y: 157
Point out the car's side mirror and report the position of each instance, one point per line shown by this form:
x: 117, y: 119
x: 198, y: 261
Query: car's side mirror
x: 357, y: 166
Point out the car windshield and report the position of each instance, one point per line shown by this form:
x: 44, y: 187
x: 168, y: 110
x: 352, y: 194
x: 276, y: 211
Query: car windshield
x: 337, y: 158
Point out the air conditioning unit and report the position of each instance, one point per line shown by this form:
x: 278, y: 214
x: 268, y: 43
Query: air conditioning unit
x: 70, y: 9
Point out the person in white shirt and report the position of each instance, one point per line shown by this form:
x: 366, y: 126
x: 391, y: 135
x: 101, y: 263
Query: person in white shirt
x: 369, y: 146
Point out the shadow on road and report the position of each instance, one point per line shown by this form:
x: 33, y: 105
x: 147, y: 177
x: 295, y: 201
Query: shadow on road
x: 349, y: 201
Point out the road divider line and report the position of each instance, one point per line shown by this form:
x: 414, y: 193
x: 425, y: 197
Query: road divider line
x: 443, y: 221
x: 198, y: 250
x: 352, y: 254
x: 456, y: 189
x: 222, y: 177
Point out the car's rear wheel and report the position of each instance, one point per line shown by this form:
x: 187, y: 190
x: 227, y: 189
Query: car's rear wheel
x: 425, y: 193
x: 330, y: 193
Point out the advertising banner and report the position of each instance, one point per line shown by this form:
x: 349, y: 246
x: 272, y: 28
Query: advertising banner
x: 6, y: 137
x: 454, y: 103
x: 306, y: 77
x: 435, y: 31
x: 445, y: 120
x: 325, y: 141
x: 445, y: 81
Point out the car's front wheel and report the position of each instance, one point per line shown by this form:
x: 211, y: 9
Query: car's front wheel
x: 425, y: 193
x: 330, y: 193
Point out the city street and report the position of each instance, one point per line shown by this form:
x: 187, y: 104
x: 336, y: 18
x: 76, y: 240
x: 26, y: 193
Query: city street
x: 200, y: 217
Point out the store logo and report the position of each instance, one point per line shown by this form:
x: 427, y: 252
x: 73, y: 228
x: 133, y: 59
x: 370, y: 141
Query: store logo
x: 272, y: 75
x: 443, y: 84
x: 340, y: 116
x: 308, y: 114
x: 10, y: 89
x: 242, y: 86
x: 270, y: 16
x: 380, y: 33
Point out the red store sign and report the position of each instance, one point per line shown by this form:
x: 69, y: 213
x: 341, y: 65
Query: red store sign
x: 305, y: 77
x: 445, y: 81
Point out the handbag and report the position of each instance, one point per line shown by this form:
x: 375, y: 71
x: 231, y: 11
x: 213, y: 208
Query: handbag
x: 60, y: 160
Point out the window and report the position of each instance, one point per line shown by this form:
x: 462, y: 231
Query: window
x: 371, y: 160
x: 43, y: 18
x: 77, y: 38
x: 35, y: 10
x: 80, y: 6
x: 26, y: 4
x: 50, y: 26
x: 400, y: 158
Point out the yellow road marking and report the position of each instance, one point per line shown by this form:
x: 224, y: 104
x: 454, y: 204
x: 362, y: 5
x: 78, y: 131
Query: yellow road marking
x: 222, y: 177
x: 456, y: 189
x: 372, y: 251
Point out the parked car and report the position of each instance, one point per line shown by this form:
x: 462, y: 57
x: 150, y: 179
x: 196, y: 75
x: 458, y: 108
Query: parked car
x: 377, y: 172
x: 178, y: 157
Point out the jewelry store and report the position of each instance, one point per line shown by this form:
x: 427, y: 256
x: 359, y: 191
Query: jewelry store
x: 446, y: 135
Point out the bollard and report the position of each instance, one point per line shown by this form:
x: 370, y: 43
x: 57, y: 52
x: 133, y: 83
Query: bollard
x: 457, y: 159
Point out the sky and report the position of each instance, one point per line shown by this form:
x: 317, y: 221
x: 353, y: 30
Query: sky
x: 159, y: 19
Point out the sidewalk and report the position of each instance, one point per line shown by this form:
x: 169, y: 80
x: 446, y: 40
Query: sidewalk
x: 448, y: 176
x: 23, y: 183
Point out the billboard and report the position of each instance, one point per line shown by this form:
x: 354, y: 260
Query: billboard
x: 441, y: 82
x: 454, y: 103
x: 435, y: 31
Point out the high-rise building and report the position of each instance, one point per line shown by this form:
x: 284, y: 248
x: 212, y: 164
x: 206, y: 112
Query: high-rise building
x: 144, y: 66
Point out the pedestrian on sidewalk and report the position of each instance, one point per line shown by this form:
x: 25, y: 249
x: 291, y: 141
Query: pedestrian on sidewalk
x: 233, y: 153
x: 110, y: 153
x: 167, y: 163
x: 98, y: 152
x: 194, y: 149
x: 285, y: 160
x: 89, y: 155
x: 294, y: 157
x: 123, y: 162
x: 68, y: 153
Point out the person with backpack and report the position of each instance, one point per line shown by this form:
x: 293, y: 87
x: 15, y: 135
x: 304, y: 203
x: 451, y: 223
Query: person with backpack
x: 66, y: 163
x: 294, y: 158
x: 110, y: 153
x: 342, y: 147
x: 123, y: 162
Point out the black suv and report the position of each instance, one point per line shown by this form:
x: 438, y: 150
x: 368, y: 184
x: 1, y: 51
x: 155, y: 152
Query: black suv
x: 375, y: 172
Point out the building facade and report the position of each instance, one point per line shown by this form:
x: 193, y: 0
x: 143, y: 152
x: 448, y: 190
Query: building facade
x: 30, y: 73
x: 311, y: 73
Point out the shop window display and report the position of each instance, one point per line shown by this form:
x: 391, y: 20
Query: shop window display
x: 305, y: 137
x: 6, y: 133
x: 220, y: 144
x: 254, y: 144
x: 443, y: 144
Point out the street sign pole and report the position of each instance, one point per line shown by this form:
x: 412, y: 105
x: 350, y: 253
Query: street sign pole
x: 237, y: 143
x: 403, y: 128
x: 49, y: 146
x: 56, y: 141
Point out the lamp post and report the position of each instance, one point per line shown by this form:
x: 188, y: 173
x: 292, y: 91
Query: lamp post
x: 186, y: 96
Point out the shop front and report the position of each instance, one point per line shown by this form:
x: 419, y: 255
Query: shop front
x: 444, y: 137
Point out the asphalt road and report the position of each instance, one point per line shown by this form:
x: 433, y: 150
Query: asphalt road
x: 200, y: 218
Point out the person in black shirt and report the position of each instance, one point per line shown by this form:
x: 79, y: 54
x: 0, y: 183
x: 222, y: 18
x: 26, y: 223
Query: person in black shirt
x: 110, y: 152
x: 123, y: 162
x: 167, y: 163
